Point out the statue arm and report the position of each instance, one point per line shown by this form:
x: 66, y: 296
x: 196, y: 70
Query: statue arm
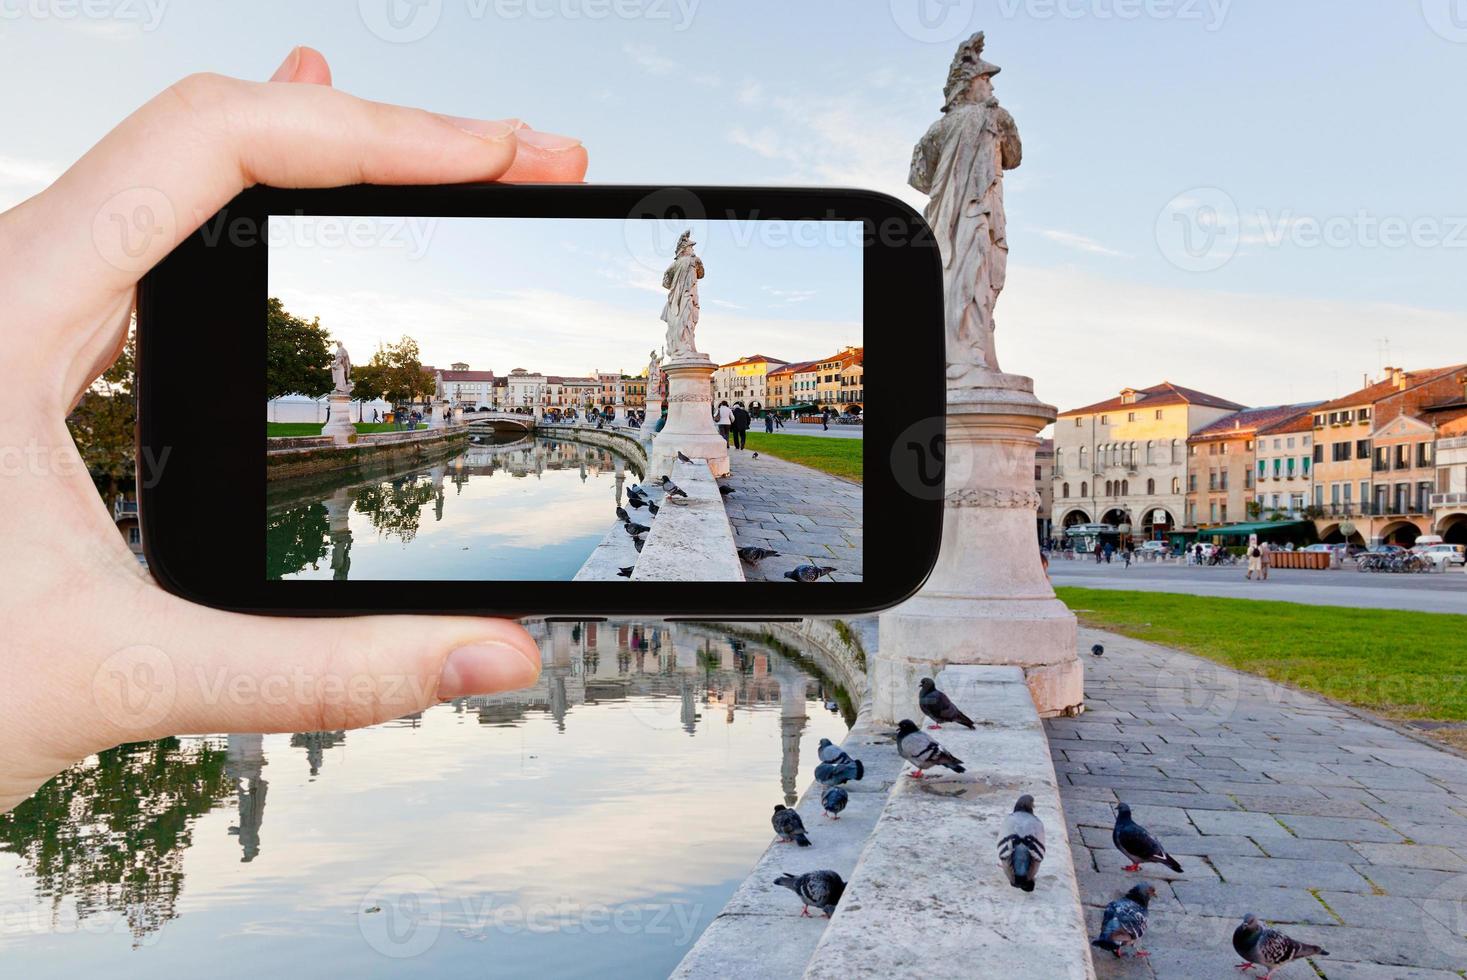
x: 920, y: 175
x: 699, y: 265
x: 667, y: 276
x: 1009, y: 143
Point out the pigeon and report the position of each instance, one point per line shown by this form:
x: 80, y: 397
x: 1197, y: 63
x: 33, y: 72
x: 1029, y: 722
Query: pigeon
x: 1261, y: 946
x: 835, y: 773
x: 922, y: 751
x: 807, y: 573
x: 1097, y: 650
x: 821, y: 889
x: 635, y: 529
x: 623, y: 516
x: 939, y: 707
x: 639, y: 542
x: 756, y: 455
x: 1021, y: 844
x: 726, y: 490
x: 637, y: 502
x: 834, y: 800
x: 682, y: 457
x: 753, y: 554
x: 626, y: 572
x: 1138, y: 843
x: 653, y: 509
x: 830, y: 752
x: 1124, y: 922
x: 635, y: 490
x: 789, y: 826
x: 672, y: 489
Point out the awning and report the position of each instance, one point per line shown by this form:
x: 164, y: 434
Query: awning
x: 1257, y: 527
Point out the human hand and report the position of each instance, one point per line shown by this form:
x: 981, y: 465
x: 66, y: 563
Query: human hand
x: 92, y: 653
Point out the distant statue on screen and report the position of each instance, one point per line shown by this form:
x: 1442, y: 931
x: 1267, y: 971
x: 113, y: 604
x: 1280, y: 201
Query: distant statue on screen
x: 341, y: 370
x: 960, y: 164
x: 681, y: 312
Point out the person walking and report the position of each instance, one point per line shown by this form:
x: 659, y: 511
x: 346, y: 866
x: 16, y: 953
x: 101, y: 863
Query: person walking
x: 769, y: 422
x: 741, y: 422
x: 724, y: 418
x: 1265, y: 558
x: 825, y: 419
x: 1255, y: 558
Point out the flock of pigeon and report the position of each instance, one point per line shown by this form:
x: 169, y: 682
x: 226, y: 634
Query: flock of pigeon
x: 673, y: 494
x: 1020, y: 846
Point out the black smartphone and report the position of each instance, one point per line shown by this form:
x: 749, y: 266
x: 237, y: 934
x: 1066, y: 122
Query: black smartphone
x: 545, y: 400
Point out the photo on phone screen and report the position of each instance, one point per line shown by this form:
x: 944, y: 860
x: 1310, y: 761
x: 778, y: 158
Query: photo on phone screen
x: 466, y: 399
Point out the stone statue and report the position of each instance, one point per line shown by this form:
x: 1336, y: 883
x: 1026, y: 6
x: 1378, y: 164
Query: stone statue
x: 681, y: 312
x: 960, y: 164
x: 341, y: 370
x: 439, y: 395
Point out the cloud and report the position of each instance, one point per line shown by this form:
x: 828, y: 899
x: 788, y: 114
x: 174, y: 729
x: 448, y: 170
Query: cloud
x: 1082, y: 243
x: 645, y: 57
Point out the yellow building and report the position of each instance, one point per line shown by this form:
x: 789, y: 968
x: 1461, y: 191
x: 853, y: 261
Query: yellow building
x: 745, y: 380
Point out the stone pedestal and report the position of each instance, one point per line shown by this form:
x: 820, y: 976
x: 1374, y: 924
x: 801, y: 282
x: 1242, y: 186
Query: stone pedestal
x: 654, y: 411
x: 689, y: 429
x: 988, y: 600
x: 435, y: 415
x: 339, y: 426
x: 619, y: 417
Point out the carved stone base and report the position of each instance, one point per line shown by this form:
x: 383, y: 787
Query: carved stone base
x: 988, y: 600
x: 339, y: 426
x: 689, y: 429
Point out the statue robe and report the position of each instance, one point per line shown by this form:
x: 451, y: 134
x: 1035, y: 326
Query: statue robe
x: 681, y: 311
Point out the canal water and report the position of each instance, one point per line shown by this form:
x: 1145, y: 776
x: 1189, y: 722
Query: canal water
x: 590, y: 826
x: 515, y: 508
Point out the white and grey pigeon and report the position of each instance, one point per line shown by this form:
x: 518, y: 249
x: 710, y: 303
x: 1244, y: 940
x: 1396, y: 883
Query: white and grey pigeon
x: 1261, y: 946
x: 1021, y: 844
x: 672, y: 490
x: 922, y: 750
x: 821, y: 889
x: 834, y: 800
x: 1138, y: 843
x: 835, y: 773
x: 788, y: 825
x: 1125, y: 921
x: 830, y: 752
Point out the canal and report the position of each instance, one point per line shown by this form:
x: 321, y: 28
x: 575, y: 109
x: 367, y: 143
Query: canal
x: 589, y: 826
x: 510, y: 508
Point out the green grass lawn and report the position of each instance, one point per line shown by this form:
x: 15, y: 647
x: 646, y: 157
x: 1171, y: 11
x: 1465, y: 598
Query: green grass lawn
x: 837, y: 456
x: 314, y: 428
x: 1405, y: 665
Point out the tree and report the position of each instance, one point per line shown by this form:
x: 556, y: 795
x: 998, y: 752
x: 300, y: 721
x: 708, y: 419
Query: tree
x: 297, y: 354
x: 395, y: 373
x: 104, y: 423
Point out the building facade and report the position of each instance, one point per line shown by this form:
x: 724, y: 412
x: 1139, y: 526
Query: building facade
x: 1449, y: 500
x: 746, y: 380
x: 1123, y: 462
x: 1044, y: 486
x: 1222, y: 470
x: 1284, y: 468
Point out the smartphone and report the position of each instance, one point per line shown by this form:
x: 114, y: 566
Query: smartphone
x: 536, y: 400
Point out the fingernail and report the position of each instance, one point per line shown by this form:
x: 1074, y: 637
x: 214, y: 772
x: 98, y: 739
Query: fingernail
x: 484, y: 668
x: 485, y: 129
x: 287, y: 68
x: 547, y: 141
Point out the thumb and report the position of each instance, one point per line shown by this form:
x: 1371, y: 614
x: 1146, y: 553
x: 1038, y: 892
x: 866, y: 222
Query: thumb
x: 208, y: 671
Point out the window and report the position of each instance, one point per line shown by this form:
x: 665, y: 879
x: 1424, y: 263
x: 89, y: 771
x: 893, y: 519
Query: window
x: 1365, y: 415
x: 1176, y: 485
x: 1212, y: 480
x: 1125, y: 488
x: 1248, y: 446
x: 1105, y: 420
x: 1085, y: 488
x: 1151, y: 488
x: 1109, y: 488
x: 1130, y: 416
x: 1158, y: 415
x: 1038, y: 473
x: 1319, y: 454
x: 1340, y: 452
x: 1276, y: 443
x: 1214, y: 513
x: 1362, y: 449
x: 1424, y: 454
x: 1224, y: 511
x: 1191, y: 482
x: 1223, y: 480
x: 1065, y: 491
x: 1079, y: 422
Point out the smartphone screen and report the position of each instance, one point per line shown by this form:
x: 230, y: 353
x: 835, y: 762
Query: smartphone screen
x: 481, y: 399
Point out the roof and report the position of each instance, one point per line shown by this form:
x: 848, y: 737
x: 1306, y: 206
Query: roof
x: 755, y: 359
x: 1303, y: 422
x: 1373, y: 393
x: 796, y: 367
x: 1251, y: 420
x: 1244, y: 530
x: 1156, y: 396
x: 468, y: 375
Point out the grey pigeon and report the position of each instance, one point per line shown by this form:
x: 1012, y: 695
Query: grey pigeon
x: 753, y: 554
x: 1138, y: 843
x: 789, y: 826
x: 653, y: 509
x: 726, y: 490
x: 821, y: 889
x: 637, y: 502
x: 623, y: 516
x: 672, y: 489
x: 756, y: 455
x: 635, y: 490
x: 922, y: 751
x: 627, y: 571
x: 1097, y: 650
x: 830, y: 752
x: 1021, y: 844
x: 682, y: 457
x: 1261, y: 946
x: 635, y: 529
x: 939, y: 707
x: 834, y: 800
x: 807, y: 573
x: 1125, y: 921
x: 835, y: 773
x: 639, y: 542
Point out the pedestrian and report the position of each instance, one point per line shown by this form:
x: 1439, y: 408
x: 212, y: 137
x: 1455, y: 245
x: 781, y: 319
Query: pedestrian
x: 661, y: 420
x: 1255, y: 558
x: 1126, y: 553
x: 741, y: 422
x: 1197, y: 553
x: 769, y: 422
x: 724, y: 418
x: 1265, y: 558
x: 825, y: 419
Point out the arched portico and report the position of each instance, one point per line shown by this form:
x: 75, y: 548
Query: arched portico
x: 1403, y: 533
x: 1453, y: 528
x: 1075, y: 518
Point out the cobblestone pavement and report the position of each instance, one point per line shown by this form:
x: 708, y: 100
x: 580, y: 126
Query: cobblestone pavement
x: 805, y: 515
x: 1341, y: 831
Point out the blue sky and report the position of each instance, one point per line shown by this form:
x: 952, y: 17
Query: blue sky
x: 1255, y: 126
x: 567, y: 296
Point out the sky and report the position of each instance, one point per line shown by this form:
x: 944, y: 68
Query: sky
x: 1262, y: 200
x: 566, y: 296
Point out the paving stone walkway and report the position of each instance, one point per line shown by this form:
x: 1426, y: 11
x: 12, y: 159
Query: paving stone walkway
x: 805, y: 515
x: 1339, y: 830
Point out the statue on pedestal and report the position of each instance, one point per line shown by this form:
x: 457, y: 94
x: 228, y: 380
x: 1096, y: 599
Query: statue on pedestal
x: 341, y: 370
x: 653, y: 365
x: 960, y: 164
x: 681, y: 311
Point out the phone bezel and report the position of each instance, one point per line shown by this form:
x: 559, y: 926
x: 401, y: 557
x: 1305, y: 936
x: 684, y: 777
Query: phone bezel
x: 201, y: 377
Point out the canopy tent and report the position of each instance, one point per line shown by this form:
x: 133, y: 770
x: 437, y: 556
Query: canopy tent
x: 1264, y: 529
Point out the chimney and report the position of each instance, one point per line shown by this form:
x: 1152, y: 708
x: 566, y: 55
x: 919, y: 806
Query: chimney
x: 1398, y: 378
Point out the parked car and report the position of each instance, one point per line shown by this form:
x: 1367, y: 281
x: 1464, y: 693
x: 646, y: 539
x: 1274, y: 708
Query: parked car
x: 1444, y: 555
x: 1153, y: 548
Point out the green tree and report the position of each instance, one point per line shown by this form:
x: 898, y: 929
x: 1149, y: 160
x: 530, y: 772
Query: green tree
x: 297, y: 354
x: 394, y: 373
x: 104, y: 423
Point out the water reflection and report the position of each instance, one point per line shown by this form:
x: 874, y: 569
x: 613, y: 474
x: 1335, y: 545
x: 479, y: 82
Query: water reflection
x: 635, y: 776
x: 525, y: 508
